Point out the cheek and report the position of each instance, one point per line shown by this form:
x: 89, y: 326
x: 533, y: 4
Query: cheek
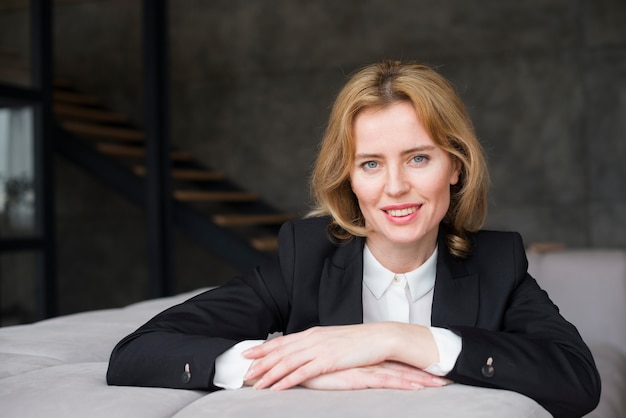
x: 364, y: 190
x: 439, y: 189
x: 357, y: 189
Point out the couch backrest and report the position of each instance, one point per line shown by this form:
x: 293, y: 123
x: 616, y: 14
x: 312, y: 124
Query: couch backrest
x: 589, y: 287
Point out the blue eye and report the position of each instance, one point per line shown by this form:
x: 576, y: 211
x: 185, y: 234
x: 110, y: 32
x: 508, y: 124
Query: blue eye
x: 370, y: 164
x: 419, y: 159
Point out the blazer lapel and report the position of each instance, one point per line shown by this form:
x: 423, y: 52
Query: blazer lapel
x: 456, y: 294
x: 341, y: 286
x: 455, y: 299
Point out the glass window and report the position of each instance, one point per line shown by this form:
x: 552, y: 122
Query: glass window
x: 17, y: 176
x: 18, y: 275
x: 15, y: 57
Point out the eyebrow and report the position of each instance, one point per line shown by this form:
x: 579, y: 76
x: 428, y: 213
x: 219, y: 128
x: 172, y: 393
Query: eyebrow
x: 421, y: 148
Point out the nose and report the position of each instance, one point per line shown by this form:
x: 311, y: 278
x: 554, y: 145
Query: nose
x: 397, y: 182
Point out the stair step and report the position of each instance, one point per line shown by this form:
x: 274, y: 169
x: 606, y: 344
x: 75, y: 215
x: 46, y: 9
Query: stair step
x: 214, y: 196
x: 187, y: 174
x: 265, y: 244
x: 137, y: 152
x: 75, y: 98
x: 79, y: 115
x: 62, y: 83
x: 248, y: 220
x: 14, y: 69
x: 100, y: 131
x: 90, y: 114
x: 15, y: 76
x: 13, y: 60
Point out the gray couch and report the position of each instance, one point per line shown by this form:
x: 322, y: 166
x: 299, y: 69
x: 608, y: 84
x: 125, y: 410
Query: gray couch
x: 56, y: 368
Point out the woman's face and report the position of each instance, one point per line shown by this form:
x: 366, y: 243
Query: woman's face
x: 401, y: 178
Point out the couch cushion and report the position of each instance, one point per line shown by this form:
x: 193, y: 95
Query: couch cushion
x: 589, y: 287
x: 80, y: 390
x: 12, y: 364
x: 456, y: 401
x: 611, y: 365
x: 77, y: 338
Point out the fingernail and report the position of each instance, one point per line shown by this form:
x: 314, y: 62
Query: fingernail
x: 417, y: 386
x: 258, y: 384
x: 276, y: 387
x: 441, y: 381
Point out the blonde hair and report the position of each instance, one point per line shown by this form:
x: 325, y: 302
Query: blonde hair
x: 443, y: 116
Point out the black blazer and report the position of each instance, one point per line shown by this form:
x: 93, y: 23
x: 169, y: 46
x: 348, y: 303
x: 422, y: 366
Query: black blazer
x: 488, y: 299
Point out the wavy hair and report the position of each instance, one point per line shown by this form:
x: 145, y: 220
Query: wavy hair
x: 444, y: 118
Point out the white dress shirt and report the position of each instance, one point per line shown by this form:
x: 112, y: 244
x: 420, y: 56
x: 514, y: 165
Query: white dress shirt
x: 387, y: 296
x: 407, y: 298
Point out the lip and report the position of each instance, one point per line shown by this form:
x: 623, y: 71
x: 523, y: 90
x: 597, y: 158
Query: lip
x: 401, y: 214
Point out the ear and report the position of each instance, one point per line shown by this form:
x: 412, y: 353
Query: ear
x: 456, y: 170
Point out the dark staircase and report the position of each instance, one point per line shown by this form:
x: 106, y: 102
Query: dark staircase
x: 232, y: 223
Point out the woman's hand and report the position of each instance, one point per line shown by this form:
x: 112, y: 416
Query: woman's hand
x: 290, y: 360
x: 386, y: 375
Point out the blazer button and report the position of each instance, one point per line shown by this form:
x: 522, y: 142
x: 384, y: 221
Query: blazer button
x: 186, y: 376
x: 488, y: 369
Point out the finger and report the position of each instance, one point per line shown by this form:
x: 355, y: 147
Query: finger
x: 275, y: 359
x: 355, y: 379
x: 427, y: 379
x: 289, y: 373
x: 395, y: 365
x: 326, y: 348
x: 441, y: 381
x: 300, y: 374
x: 268, y: 355
x: 276, y: 364
x: 415, y: 374
x: 264, y: 349
x: 422, y: 378
x: 305, y: 364
x: 293, y: 369
x: 389, y: 381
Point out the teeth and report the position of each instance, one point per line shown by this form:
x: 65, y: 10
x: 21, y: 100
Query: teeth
x: 401, y: 212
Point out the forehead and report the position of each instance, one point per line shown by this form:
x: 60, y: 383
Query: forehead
x: 396, y: 124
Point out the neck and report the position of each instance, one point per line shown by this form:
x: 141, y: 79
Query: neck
x: 402, y: 258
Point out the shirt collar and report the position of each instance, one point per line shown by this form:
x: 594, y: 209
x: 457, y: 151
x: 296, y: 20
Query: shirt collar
x: 377, y: 278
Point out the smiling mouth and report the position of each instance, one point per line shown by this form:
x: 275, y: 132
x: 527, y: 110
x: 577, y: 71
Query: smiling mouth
x: 397, y: 213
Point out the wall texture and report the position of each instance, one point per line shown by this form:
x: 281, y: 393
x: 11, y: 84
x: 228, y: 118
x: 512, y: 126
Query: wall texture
x: 544, y: 81
x: 252, y: 83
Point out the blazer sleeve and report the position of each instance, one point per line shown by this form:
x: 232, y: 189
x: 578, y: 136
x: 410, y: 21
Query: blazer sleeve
x: 533, y: 351
x: 197, y: 331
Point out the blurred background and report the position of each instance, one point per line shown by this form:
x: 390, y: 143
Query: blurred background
x: 247, y: 87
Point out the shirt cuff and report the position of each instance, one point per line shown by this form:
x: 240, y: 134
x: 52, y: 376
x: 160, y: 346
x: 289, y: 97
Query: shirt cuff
x: 449, y: 345
x: 231, y: 366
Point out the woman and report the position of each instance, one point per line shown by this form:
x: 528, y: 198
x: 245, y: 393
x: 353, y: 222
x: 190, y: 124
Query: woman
x: 390, y: 284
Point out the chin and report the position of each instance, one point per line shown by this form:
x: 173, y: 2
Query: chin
x: 405, y: 240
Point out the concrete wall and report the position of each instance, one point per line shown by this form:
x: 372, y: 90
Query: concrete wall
x: 252, y: 82
x: 544, y: 81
